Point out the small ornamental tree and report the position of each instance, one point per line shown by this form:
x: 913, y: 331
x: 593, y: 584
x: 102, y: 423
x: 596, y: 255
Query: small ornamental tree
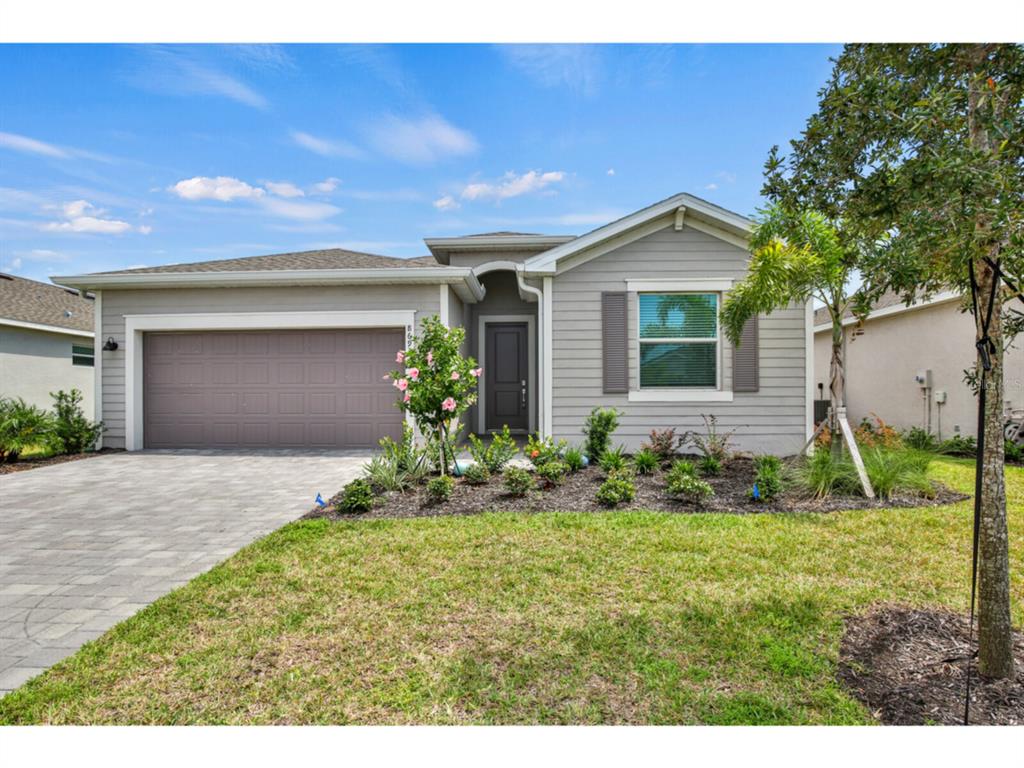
x: 436, y: 383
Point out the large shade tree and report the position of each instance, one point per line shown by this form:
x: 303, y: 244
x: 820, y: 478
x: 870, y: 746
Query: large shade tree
x: 921, y: 147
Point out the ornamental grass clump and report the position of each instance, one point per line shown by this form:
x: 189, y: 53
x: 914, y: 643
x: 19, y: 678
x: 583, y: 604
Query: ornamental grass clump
x: 767, y: 477
x: 613, y: 460
x: 710, y: 466
x: 893, y: 471
x: 573, y: 457
x: 436, y: 385
x: 645, y: 461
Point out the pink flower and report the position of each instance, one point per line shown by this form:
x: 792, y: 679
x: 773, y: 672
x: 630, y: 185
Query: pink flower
x: 386, y: 376
x: 402, y: 384
x: 430, y: 357
x: 406, y: 398
x: 448, y: 404
x: 412, y: 373
x: 400, y: 357
x: 477, y: 372
x: 455, y: 376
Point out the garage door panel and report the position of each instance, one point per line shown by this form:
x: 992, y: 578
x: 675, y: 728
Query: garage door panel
x: 265, y: 389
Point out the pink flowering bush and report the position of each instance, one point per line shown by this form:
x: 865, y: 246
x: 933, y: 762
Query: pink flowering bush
x: 437, y: 384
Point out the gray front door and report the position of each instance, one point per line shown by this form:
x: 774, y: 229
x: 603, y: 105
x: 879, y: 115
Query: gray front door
x: 506, y: 376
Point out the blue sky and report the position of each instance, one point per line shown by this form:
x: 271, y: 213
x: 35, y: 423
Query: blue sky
x: 120, y: 156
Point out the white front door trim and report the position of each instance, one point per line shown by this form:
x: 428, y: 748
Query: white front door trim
x: 136, y: 325
x: 531, y: 354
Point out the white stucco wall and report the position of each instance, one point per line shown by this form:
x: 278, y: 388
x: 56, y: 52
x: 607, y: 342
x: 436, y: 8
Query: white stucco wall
x: 35, y: 363
x: 881, y: 364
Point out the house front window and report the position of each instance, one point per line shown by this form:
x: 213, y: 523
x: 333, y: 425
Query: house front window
x: 679, y: 343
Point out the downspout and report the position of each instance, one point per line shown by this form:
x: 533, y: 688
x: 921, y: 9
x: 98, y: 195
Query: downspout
x: 542, y: 373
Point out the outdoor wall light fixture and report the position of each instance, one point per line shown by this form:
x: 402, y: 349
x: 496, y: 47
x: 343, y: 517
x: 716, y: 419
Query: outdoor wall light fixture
x: 111, y: 345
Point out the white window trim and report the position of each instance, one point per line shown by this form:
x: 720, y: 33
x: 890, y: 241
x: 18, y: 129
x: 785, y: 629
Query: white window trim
x: 718, y: 394
x: 531, y: 352
x: 136, y: 325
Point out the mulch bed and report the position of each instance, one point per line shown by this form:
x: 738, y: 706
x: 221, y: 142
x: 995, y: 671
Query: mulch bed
x: 909, y: 668
x: 577, y: 494
x: 34, y: 462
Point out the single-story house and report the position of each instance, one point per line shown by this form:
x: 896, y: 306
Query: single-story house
x: 289, y: 350
x: 906, y: 365
x: 46, y: 341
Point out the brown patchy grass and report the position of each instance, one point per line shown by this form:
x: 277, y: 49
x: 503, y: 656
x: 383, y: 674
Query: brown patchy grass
x: 624, y: 617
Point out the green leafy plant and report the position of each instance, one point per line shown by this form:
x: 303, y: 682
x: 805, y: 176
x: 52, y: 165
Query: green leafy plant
x: 891, y: 471
x: 356, y: 497
x: 959, y: 445
x: 1011, y: 452
x: 440, y: 489
x: 598, y: 428
x: 710, y: 442
x: 617, y: 489
x: 540, y: 450
x: 710, y: 466
x: 477, y: 474
x: 822, y: 474
x: 495, y: 454
x: 399, y: 465
x: 24, y: 426
x: 646, y: 461
x: 73, y: 432
x: 552, y: 472
x: 681, y: 467
x: 613, y: 460
x: 685, y: 485
x: 573, y: 457
x: 920, y: 439
x: 518, y: 481
x: 384, y: 474
x: 768, y: 476
x: 663, y: 443
x: 436, y: 385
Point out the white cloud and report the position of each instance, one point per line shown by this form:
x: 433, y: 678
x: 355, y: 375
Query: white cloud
x: 223, y: 188
x: 145, y: 229
x: 512, y: 185
x: 420, y: 141
x: 610, y: 172
x: 326, y: 147
x: 327, y: 186
x: 577, y: 67
x: 446, y: 203
x: 12, y: 265
x: 44, y: 254
x: 182, y: 71
x: 298, y: 210
x: 711, y: 187
x: 283, y: 189
x: 33, y: 146
x: 81, y: 216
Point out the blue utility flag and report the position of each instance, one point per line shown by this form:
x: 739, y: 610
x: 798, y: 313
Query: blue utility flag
x: 755, y: 494
x: 320, y: 500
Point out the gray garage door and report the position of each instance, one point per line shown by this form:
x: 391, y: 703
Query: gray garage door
x: 270, y: 389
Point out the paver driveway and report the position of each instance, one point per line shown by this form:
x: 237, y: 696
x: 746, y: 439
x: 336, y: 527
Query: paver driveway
x: 88, y: 543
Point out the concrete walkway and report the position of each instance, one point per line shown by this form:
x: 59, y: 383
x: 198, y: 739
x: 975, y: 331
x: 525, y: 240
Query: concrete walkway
x: 88, y: 543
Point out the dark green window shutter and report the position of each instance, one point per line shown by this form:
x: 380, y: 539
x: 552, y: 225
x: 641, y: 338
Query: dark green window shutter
x: 614, y: 350
x: 745, y: 374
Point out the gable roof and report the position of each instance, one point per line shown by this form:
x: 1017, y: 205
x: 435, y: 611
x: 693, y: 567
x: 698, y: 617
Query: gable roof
x: 443, y: 247
x: 32, y: 304
x: 695, y: 211
x: 330, y: 258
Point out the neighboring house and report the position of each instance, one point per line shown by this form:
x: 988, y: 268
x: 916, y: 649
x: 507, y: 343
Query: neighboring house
x: 289, y: 350
x: 932, y: 340
x: 46, y: 341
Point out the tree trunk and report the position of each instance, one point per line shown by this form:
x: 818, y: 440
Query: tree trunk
x: 995, y: 638
x: 836, y: 385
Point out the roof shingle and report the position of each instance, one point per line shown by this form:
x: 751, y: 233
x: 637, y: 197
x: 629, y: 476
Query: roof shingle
x: 332, y: 258
x: 29, y: 301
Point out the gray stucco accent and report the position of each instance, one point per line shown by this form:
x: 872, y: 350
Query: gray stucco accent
x: 424, y: 299
x: 35, y: 363
x: 772, y: 419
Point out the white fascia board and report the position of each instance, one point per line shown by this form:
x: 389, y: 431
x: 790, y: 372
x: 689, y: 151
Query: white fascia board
x: 47, y: 328
x: 547, y: 261
x: 462, y: 279
x: 496, y: 241
x: 895, y: 309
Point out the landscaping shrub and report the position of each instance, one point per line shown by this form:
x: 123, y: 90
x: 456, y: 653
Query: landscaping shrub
x: 73, y: 432
x: 399, y: 465
x: 1011, y: 451
x: 613, y: 460
x: 552, y: 472
x: 384, y: 474
x: 598, y: 428
x: 477, y: 474
x: 573, y: 457
x: 876, y: 434
x: 663, y: 443
x: 768, y: 476
x: 709, y: 466
x: 357, y: 496
x: 821, y: 475
x: 960, y: 446
x: 646, y: 461
x: 891, y: 471
x: 497, y: 453
x: 24, y: 426
x: 439, y: 489
x: 920, y: 439
x: 617, y: 489
x: 518, y: 481
x: 681, y: 467
x: 711, y: 442
x: 683, y: 484
x: 540, y: 451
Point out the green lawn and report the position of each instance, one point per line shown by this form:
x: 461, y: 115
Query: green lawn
x: 549, y: 618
